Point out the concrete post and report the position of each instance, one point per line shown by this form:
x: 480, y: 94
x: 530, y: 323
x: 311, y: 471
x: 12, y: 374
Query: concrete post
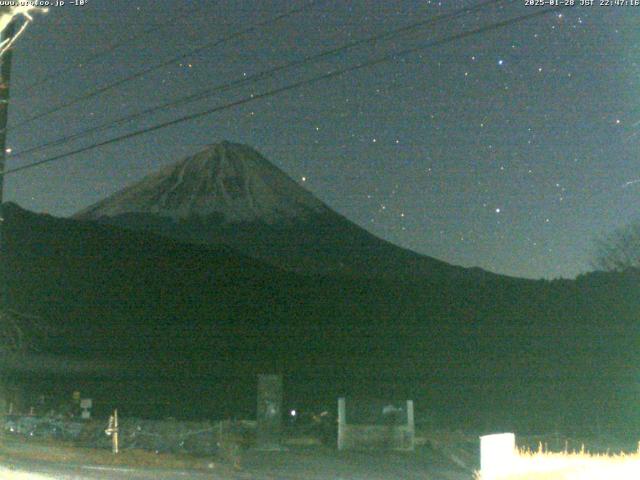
x: 342, y: 422
x: 269, y: 414
x: 411, y: 426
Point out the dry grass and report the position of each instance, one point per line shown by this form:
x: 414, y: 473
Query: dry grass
x: 541, y: 465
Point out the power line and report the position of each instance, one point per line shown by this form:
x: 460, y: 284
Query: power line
x: 208, y: 92
x: 163, y: 64
x: 54, y: 76
x: 295, y: 85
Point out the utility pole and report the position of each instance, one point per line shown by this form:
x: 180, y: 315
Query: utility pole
x: 5, y: 77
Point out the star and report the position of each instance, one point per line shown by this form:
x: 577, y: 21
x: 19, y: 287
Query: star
x: 463, y: 142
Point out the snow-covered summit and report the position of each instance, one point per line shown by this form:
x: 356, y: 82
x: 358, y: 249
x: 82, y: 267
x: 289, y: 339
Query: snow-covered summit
x: 227, y: 179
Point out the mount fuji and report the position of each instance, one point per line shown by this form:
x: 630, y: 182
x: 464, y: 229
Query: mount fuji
x: 229, y: 194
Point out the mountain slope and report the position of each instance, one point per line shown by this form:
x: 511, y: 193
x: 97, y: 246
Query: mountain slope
x: 230, y: 194
x: 194, y: 324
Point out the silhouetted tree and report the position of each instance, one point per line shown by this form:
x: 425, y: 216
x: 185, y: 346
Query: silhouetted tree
x: 619, y: 250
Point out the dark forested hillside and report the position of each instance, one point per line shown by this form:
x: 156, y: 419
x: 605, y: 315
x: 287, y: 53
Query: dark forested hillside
x: 189, y: 326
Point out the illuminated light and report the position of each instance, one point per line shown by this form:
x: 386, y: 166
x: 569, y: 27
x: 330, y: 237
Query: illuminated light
x: 501, y: 460
x: 6, y: 17
x: 497, y: 454
x: 293, y: 413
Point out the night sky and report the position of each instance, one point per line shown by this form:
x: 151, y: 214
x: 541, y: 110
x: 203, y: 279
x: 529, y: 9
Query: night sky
x: 512, y: 150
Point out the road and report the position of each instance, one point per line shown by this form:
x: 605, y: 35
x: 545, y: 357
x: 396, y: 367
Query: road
x: 41, y: 471
x: 304, y: 464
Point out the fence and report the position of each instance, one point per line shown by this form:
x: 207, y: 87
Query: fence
x: 390, y: 427
x: 166, y: 436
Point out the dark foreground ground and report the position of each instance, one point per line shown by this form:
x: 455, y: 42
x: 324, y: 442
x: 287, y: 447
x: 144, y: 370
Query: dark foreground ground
x: 313, y: 463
